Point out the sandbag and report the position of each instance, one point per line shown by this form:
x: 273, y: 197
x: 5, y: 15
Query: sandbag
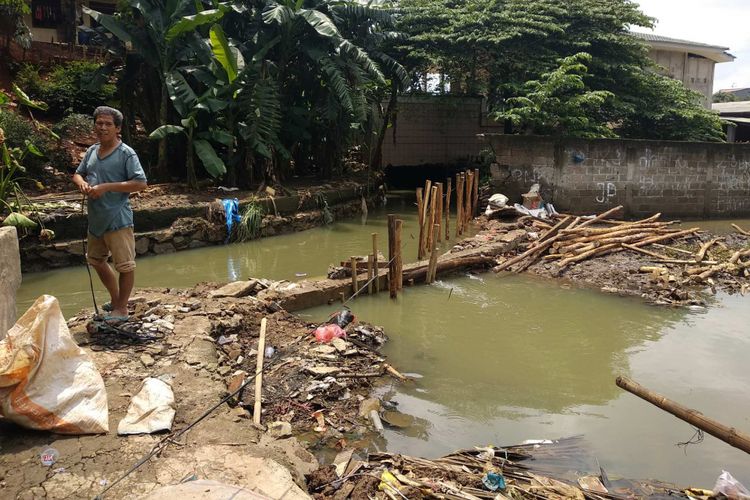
x: 47, y: 382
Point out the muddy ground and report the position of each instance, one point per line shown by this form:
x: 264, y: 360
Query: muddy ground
x: 206, y: 343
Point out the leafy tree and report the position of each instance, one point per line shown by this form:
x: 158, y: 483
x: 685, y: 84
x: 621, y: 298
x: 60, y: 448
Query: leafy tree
x: 561, y: 104
x: 724, y: 97
x: 12, y: 25
x: 297, y: 80
x: 493, y: 47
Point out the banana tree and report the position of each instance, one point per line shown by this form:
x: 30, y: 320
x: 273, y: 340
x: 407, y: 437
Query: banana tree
x: 195, y: 110
x: 166, y: 36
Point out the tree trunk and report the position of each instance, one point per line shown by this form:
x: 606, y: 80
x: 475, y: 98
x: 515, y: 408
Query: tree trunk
x: 376, y: 161
x: 161, y: 162
x: 192, y: 179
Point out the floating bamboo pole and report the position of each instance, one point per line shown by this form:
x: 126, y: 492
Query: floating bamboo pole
x: 729, y: 435
x: 399, y: 260
x: 392, y: 288
x: 259, y: 372
x: 448, y: 208
x: 432, y: 272
x: 375, y: 261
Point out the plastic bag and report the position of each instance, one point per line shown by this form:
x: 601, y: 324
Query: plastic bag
x: 342, y: 318
x: 47, y: 382
x: 151, y: 410
x: 730, y: 487
x: 326, y: 333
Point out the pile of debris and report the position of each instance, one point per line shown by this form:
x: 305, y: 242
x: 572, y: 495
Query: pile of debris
x: 536, y: 469
x: 677, y: 265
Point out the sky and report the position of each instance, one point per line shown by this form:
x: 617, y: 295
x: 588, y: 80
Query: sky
x: 716, y: 22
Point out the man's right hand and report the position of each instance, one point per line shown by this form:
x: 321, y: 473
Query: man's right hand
x: 84, y: 187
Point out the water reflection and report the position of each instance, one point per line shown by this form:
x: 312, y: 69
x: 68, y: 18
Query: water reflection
x: 501, y: 347
x: 306, y: 253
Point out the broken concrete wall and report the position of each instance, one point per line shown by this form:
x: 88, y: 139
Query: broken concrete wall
x: 10, y: 277
x: 678, y: 179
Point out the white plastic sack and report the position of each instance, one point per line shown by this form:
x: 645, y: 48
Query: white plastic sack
x: 47, y: 382
x: 151, y: 410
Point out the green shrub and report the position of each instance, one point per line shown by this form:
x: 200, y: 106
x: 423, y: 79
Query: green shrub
x: 65, y: 88
x: 250, y: 223
x: 18, y: 130
x: 74, y: 125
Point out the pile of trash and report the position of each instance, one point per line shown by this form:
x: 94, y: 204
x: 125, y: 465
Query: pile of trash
x: 533, y: 470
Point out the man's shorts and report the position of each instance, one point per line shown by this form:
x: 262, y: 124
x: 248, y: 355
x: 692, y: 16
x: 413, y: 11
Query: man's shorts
x: 120, y: 244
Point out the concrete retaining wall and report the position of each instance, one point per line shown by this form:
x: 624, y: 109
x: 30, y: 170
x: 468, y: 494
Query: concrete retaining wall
x: 74, y: 226
x: 678, y: 179
x: 10, y: 277
x: 437, y: 130
x: 184, y: 234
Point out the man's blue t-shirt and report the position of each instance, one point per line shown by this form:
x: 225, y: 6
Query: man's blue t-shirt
x: 112, y: 210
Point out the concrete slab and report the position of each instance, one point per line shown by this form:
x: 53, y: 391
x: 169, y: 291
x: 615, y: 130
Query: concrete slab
x: 10, y: 277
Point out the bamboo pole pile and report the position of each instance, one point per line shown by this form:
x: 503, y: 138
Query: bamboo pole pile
x: 570, y: 240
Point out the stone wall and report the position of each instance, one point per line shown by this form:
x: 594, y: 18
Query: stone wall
x: 10, y: 277
x: 184, y: 234
x: 678, y: 179
x: 436, y: 130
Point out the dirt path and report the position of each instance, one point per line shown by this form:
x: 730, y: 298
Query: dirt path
x: 226, y: 446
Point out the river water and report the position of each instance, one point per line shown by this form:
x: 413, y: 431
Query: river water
x: 503, y: 358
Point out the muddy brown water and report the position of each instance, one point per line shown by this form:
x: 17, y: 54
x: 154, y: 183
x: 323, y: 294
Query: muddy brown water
x: 502, y: 359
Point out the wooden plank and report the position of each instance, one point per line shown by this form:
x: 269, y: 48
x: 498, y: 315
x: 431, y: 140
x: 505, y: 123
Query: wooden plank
x: 259, y: 372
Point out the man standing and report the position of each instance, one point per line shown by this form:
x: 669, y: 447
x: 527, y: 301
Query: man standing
x: 109, y: 172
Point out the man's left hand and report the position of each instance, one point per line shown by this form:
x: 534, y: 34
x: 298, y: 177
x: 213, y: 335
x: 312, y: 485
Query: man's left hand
x: 97, y: 191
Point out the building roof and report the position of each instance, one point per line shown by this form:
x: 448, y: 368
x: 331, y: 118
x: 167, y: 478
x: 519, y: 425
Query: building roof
x: 716, y: 53
x: 734, y: 90
x: 732, y: 108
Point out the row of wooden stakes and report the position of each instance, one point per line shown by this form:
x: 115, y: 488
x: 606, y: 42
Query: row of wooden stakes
x: 433, y: 207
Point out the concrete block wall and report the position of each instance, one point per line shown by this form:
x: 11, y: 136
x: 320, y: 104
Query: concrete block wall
x: 678, y: 179
x: 432, y: 130
x: 10, y: 277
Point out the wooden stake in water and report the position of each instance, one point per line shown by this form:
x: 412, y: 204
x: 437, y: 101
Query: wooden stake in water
x: 355, y: 283
x: 459, y: 204
x: 431, y: 218
x: 420, y: 200
x: 399, y: 260
x: 432, y: 270
x: 424, y: 232
x: 369, y: 274
x: 392, y: 288
x: 475, y: 208
x: 439, y: 210
x: 259, y: 372
x: 375, y: 261
x: 467, y: 199
x: 448, y: 209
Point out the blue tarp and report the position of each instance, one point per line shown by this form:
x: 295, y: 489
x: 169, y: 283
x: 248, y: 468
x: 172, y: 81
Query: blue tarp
x: 232, y: 211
